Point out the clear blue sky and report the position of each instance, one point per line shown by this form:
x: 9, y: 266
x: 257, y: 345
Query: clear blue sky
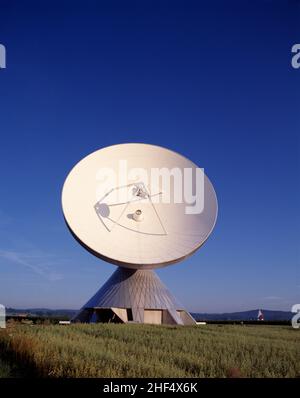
x: 210, y: 79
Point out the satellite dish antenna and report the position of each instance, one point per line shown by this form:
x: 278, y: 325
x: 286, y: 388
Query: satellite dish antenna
x: 131, y: 205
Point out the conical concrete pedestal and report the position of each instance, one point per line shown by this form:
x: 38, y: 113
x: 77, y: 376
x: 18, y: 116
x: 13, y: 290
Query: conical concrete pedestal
x: 134, y: 296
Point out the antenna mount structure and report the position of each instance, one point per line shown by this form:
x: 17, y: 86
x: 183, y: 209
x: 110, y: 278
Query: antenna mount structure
x: 135, y: 228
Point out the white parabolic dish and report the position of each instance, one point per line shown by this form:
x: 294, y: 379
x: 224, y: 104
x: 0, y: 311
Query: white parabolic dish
x: 142, y: 231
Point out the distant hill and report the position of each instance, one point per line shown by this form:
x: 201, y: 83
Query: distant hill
x: 245, y: 316
x: 233, y: 316
x: 42, y: 312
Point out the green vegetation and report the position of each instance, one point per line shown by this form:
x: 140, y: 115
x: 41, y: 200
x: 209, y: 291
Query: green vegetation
x: 5, y: 369
x: 108, y: 350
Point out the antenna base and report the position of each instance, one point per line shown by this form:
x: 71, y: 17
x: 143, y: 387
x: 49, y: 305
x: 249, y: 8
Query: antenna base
x: 136, y: 296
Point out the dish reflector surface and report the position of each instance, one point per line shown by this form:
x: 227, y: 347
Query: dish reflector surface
x: 125, y: 219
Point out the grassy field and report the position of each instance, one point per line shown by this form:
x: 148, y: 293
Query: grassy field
x: 5, y: 369
x: 107, y: 350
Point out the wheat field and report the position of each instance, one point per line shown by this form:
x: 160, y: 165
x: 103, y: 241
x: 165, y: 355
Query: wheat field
x: 109, y: 350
